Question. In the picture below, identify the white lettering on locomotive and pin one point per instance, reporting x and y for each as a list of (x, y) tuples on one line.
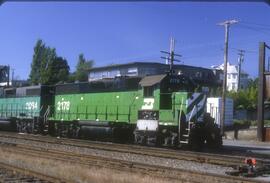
[(175, 81), (63, 105), (31, 105), (148, 103)]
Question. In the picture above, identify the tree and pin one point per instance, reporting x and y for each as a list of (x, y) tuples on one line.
[(58, 71), (47, 67), (246, 98), (46, 70), (39, 50), (215, 92), (71, 77), (82, 68)]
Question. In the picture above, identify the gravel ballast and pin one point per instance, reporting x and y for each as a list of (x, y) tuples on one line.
[(167, 162)]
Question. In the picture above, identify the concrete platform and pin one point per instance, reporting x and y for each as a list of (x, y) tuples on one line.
[(243, 134), (250, 146)]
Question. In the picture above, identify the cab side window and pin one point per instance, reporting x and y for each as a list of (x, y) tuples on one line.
[(148, 91)]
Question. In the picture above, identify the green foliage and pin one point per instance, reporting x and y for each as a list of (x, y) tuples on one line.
[(47, 67), (71, 78), (59, 70), (82, 68), (35, 73), (216, 92), (247, 98), (237, 122), (249, 122)]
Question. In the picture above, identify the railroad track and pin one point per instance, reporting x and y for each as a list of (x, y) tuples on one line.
[(96, 161), (201, 157), (9, 173), (153, 170)]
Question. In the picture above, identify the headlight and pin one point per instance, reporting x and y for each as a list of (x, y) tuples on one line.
[(148, 115)]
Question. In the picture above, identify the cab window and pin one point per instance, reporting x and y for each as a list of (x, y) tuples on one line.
[(148, 91)]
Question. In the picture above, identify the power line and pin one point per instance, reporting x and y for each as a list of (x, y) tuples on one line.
[(265, 31), (246, 51), (255, 28), (255, 24)]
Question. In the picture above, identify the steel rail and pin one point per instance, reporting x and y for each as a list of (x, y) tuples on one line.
[(210, 158), (123, 165), (12, 173)]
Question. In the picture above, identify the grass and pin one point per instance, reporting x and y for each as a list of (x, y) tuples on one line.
[(73, 172)]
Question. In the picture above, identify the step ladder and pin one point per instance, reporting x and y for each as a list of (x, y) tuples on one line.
[(184, 138), (45, 120)]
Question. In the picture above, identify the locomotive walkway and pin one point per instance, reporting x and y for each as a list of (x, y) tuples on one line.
[(63, 150)]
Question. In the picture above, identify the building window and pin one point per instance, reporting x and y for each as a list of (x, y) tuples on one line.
[(133, 71), (229, 76), (233, 86), (221, 76), (118, 73), (198, 74), (234, 76), (104, 74)]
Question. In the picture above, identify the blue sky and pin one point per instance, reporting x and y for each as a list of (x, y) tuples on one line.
[(124, 32)]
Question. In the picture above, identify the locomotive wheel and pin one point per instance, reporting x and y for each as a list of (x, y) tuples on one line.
[(214, 139), (212, 133), (196, 140)]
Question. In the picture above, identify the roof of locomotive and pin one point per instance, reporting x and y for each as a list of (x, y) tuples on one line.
[(22, 91), (104, 85), (152, 80)]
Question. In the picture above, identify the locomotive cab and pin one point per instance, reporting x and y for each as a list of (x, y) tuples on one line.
[(173, 114), (158, 112)]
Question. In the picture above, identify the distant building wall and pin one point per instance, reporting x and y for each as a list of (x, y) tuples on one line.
[(232, 76), (242, 114), (142, 69)]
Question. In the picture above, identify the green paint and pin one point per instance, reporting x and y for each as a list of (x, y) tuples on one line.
[(110, 106), (20, 107)]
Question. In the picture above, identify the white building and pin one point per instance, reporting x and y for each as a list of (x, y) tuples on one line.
[(232, 77)]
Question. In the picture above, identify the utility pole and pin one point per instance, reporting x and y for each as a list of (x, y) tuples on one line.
[(12, 77), (226, 24), (8, 75), (170, 57), (240, 61), (268, 68)]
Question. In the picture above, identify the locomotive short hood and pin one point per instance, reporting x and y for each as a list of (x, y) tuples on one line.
[(152, 80)]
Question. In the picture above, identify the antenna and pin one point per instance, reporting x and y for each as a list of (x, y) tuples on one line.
[(170, 56)]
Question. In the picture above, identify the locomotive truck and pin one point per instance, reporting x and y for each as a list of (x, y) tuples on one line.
[(153, 110)]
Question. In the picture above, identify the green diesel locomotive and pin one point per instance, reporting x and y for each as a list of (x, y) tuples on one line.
[(24, 109), (154, 110)]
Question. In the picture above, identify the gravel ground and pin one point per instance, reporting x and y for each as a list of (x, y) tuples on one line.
[(181, 164), (7, 175)]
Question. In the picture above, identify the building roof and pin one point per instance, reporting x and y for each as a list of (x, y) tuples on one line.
[(151, 63), (232, 69)]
